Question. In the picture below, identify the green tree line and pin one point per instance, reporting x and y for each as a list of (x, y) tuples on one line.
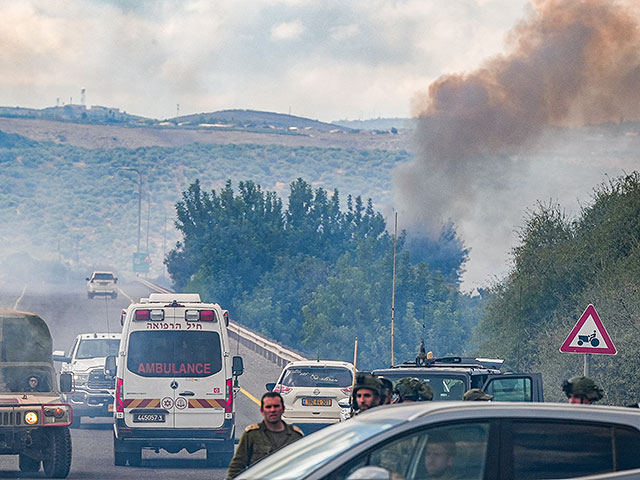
[(315, 276), (560, 266)]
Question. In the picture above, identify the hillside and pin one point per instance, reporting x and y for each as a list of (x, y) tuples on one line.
[(219, 128)]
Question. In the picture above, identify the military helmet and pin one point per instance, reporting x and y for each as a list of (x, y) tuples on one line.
[(366, 380), (477, 394), (582, 386), (387, 386), (409, 388)]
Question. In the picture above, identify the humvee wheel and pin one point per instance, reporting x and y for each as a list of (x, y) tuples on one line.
[(57, 457), (28, 464)]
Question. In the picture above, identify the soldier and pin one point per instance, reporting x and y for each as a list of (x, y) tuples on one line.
[(411, 389), (477, 394), (33, 384), (264, 438), (582, 390), (387, 393), (367, 392)]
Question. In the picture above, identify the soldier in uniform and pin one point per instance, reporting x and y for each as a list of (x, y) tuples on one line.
[(387, 390), (477, 394), (411, 389), (582, 390), (262, 439), (367, 392)]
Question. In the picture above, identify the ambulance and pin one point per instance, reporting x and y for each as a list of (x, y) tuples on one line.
[(174, 378)]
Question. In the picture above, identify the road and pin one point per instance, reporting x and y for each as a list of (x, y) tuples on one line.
[(68, 312)]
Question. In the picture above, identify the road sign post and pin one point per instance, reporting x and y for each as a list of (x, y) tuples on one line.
[(589, 336)]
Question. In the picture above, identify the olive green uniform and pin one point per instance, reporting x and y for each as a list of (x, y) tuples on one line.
[(258, 442)]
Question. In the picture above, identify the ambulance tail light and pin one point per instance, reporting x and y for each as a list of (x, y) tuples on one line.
[(119, 402), (225, 314), (149, 315), (200, 316), (228, 406)]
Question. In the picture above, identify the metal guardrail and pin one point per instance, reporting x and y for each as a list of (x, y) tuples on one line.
[(253, 341)]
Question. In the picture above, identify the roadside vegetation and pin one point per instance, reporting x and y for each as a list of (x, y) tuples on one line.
[(314, 276), (560, 266)]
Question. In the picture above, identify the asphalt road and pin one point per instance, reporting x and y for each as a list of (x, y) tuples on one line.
[(68, 312)]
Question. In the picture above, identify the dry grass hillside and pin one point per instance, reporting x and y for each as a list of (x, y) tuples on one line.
[(119, 136)]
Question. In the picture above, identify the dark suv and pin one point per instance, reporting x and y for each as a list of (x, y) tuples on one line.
[(451, 377)]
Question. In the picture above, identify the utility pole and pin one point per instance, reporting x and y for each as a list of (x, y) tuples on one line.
[(139, 200), (393, 286)]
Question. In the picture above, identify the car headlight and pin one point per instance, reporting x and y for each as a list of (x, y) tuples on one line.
[(31, 418)]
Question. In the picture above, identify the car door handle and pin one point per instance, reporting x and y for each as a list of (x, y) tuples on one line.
[(186, 394)]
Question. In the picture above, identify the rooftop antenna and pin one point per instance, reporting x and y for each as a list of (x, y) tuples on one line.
[(57, 101), (178, 110), (83, 97)]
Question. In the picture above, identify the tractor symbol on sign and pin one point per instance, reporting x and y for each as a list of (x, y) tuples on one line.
[(589, 339)]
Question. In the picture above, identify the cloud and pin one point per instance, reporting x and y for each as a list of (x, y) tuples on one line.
[(145, 57), (287, 31)]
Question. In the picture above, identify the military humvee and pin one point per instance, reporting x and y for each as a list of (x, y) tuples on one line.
[(34, 423)]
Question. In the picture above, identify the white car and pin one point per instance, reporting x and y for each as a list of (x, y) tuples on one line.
[(466, 440), (311, 391), (102, 283)]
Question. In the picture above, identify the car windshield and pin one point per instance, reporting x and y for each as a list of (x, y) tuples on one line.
[(174, 354), (317, 377), (446, 387), (103, 276), (314, 451), (97, 347)]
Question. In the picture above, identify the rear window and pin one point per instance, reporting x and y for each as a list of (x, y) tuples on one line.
[(445, 387), (174, 354), (103, 276), (99, 347), (317, 377)]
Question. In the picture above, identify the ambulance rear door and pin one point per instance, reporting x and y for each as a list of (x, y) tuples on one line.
[(149, 387), (204, 393)]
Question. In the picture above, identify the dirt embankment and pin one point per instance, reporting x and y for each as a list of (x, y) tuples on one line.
[(114, 136)]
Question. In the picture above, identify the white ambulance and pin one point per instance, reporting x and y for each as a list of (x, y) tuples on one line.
[(174, 380)]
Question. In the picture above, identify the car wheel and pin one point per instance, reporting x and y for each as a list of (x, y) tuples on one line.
[(114, 295), (77, 421), (57, 458), (135, 457), (28, 464), (90, 296)]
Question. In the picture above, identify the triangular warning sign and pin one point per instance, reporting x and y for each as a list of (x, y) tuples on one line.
[(589, 336)]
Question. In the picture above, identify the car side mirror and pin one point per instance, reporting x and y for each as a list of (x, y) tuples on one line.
[(238, 366), (270, 386), (110, 366), (344, 403), (66, 382), (87, 279), (59, 356), (115, 280)]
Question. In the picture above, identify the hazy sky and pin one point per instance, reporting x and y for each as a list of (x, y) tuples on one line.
[(325, 60), (331, 60)]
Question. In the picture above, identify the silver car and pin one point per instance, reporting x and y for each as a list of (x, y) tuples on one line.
[(465, 440)]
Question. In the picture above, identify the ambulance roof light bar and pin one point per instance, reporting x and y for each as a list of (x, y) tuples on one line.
[(178, 297)]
